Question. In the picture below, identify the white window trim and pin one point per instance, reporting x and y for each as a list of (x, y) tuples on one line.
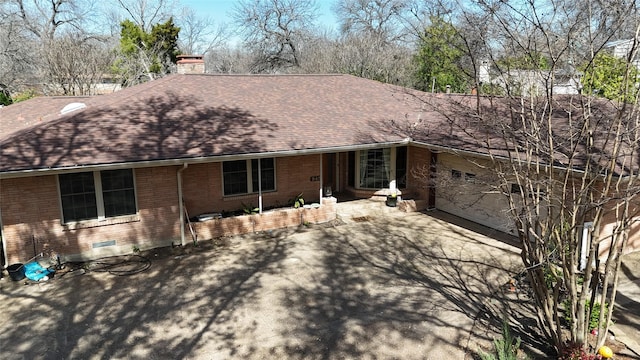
[(97, 183)]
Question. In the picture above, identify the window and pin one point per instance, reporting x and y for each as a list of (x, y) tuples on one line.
[(268, 176), (375, 166), (378, 168), (235, 177), (241, 176), (118, 193), (78, 196), (456, 174), (96, 195), (469, 177)]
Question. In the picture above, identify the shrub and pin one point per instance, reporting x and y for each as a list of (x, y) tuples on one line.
[(595, 312), (505, 348)]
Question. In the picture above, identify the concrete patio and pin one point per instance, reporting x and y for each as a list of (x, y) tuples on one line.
[(379, 285)]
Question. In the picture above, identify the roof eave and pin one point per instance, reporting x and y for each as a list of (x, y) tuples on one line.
[(196, 160)]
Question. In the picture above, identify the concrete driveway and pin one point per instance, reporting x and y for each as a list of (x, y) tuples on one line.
[(383, 286)]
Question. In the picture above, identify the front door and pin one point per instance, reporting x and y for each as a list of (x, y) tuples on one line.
[(329, 174)]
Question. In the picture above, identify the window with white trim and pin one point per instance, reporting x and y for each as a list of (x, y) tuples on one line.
[(242, 176), (377, 168), (97, 194)]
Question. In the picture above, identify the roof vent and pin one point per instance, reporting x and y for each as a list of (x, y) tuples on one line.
[(72, 107)]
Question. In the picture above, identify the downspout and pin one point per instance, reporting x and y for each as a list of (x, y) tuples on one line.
[(181, 204)]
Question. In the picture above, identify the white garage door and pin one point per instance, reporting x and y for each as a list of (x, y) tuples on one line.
[(462, 191)]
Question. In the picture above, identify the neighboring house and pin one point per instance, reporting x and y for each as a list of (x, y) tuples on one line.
[(622, 49), (95, 176), (533, 82)]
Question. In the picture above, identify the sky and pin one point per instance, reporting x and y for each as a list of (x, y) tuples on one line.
[(220, 10)]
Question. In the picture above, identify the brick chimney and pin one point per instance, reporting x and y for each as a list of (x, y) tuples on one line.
[(190, 64)]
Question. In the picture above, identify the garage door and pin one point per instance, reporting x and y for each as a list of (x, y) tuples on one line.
[(463, 192)]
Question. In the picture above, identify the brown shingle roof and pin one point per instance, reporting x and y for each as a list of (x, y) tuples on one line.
[(189, 116), (203, 116), (570, 131)]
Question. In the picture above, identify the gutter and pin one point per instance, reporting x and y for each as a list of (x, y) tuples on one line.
[(195, 160), (181, 203), (440, 148)]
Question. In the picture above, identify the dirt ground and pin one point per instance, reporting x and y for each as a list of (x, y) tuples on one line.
[(409, 286)]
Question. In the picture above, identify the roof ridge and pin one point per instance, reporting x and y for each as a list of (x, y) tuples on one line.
[(266, 75)]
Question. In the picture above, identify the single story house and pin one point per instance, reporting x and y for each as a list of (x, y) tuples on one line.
[(93, 176)]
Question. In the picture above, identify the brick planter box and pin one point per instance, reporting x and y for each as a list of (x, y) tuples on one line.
[(268, 220)]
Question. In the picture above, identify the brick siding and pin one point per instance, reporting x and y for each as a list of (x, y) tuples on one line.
[(31, 213), (203, 188), (419, 160), (31, 218)]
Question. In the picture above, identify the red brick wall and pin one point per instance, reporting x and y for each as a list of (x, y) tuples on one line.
[(418, 172), (31, 215), (203, 191), (609, 222), (30, 209), (276, 219)]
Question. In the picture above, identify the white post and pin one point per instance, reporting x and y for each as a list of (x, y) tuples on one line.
[(321, 155), (392, 171), (260, 186), (584, 249), (181, 205)]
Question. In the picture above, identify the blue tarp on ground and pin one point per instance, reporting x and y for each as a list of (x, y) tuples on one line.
[(34, 271)]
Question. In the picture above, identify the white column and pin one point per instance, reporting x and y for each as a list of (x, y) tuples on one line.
[(260, 186), (321, 182), (584, 249)]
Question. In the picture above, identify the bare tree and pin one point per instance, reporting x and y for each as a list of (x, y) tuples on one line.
[(228, 60), (32, 29), (44, 18), (198, 35), (76, 64), (17, 58), (146, 13), (564, 166), (373, 40), (274, 29), (372, 58), (381, 19), (319, 55)]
